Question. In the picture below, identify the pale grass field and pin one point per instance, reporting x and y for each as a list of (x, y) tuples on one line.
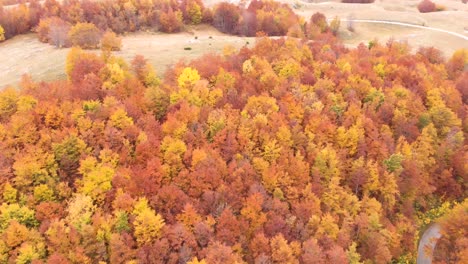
[(25, 54)]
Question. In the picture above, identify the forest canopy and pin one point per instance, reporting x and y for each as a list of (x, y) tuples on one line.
[(288, 152), (291, 151)]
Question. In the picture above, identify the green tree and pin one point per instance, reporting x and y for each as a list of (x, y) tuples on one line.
[(19, 213)]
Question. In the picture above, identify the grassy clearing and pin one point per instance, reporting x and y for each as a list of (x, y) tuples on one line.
[(26, 55)]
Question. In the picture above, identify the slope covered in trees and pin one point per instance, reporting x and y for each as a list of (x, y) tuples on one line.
[(289, 152)]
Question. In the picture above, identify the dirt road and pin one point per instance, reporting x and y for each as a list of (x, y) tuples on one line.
[(409, 25), (427, 244)]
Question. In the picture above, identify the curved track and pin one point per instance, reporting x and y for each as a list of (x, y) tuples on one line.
[(408, 25), (427, 244)]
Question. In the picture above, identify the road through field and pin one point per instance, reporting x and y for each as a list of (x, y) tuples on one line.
[(407, 25)]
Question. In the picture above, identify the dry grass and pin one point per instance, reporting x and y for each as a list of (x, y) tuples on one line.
[(26, 55), (453, 19), (163, 50)]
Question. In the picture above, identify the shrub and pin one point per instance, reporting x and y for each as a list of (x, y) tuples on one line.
[(54, 30), (226, 18), (2, 33), (111, 42), (358, 1), (171, 21), (440, 8), (426, 6), (85, 35), (320, 21)]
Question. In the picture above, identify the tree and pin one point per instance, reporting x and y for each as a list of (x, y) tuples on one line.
[(453, 244), (319, 20), (226, 18), (58, 33), (80, 210), (19, 213), (193, 12), (82, 64), (335, 25), (171, 21), (2, 33), (97, 178), (147, 223), (8, 103), (188, 78), (111, 42), (217, 253), (281, 251), (426, 6), (84, 35)]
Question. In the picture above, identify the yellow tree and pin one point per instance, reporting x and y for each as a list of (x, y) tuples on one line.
[(73, 55), (2, 33), (97, 176), (19, 213), (147, 223), (282, 252), (120, 119), (85, 35), (113, 75), (172, 150), (327, 164), (80, 210), (188, 78), (194, 12), (8, 102)]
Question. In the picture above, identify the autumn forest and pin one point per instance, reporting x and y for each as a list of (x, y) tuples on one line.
[(294, 149)]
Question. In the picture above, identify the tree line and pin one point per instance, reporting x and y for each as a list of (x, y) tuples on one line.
[(83, 23)]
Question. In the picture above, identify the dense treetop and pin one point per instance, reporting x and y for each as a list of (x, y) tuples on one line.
[(289, 152), (293, 151)]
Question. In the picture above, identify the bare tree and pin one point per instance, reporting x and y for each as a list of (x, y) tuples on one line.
[(58, 33), (350, 23)]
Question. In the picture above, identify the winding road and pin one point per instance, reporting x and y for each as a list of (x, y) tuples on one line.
[(408, 25), (428, 241)]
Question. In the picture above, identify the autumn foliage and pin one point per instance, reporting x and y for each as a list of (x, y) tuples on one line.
[(358, 1), (85, 35), (111, 42), (426, 6), (289, 152), (52, 17)]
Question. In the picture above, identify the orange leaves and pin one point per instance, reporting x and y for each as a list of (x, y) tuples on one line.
[(84, 35), (284, 153), (171, 21)]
